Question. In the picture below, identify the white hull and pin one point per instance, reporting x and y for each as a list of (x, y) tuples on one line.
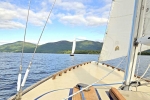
[(86, 73)]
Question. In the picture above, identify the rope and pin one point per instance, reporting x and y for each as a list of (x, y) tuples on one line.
[(29, 66), (50, 92), (138, 66), (20, 69), (25, 32), (96, 81), (43, 30), (144, 73), (147, 78)]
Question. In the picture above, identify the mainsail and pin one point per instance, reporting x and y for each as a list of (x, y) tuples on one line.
[(73, 47), (117, 37)]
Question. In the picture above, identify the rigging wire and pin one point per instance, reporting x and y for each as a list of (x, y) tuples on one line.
[(144, 73), (137, 80), (96, 81), (29, 66), (19, 88), (20, 68), (147, 78), (138, 66), (25, 33)]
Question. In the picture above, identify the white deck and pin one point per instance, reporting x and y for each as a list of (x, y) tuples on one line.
[(87, 74)]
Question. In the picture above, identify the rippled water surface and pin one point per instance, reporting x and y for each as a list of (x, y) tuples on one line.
[(44, 65)]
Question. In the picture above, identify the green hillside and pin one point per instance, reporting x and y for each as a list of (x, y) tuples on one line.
[(146, 52), (54, 47), (17, 47), (88, 45)]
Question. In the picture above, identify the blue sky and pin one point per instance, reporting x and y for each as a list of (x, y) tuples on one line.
[(83, 19)]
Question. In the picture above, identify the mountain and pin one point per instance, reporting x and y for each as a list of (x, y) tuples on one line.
[(54, 47), (88, 45), (17, 47)]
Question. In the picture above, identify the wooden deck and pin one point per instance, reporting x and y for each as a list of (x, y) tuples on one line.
[(57, 86)]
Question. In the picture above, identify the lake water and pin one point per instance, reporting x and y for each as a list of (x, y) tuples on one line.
[(43, 66)]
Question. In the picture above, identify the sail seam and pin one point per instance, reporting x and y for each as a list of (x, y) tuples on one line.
[(122, 16)]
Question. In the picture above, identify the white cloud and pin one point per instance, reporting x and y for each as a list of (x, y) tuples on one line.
[(13, 16), (73, 19), (10, 24), (81, 20), (66, 11), (95, 21), (68, 5), (102, 11), (43, 4), (78, 13)]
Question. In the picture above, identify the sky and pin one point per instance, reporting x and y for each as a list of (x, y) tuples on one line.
[(82, 19)]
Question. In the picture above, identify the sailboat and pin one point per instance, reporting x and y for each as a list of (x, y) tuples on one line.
[(73, 47), (126, 33)]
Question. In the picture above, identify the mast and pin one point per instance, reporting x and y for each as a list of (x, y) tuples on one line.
[(136, 32)]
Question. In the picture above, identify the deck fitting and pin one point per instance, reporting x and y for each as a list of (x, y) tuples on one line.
[(54, 77), (112, 67), (65, 71), (69, 69), (60, 74)]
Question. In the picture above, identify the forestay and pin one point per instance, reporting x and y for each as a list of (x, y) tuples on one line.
[(117, 37)]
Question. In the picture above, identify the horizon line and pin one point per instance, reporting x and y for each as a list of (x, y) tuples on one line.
[(2, 43)]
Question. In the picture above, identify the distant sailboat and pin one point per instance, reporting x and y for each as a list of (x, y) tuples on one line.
[(73, 47)]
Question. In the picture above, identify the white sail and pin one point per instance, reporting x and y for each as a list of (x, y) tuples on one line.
[(146, 28), (73, 47), (116, 41)]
